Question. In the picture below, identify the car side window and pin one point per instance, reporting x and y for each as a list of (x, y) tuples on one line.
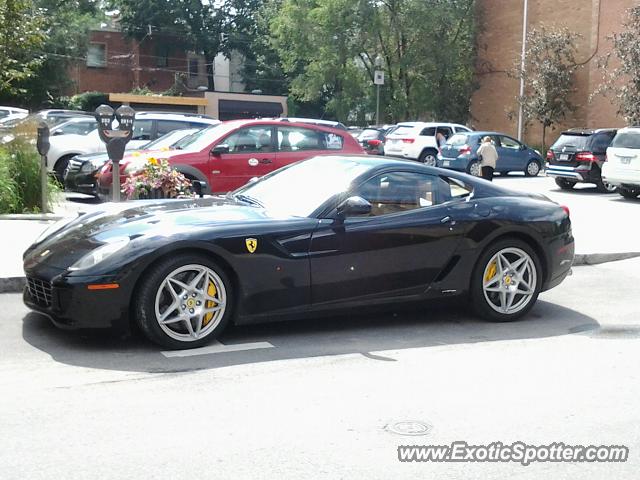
[(398, 192), (601, 141), (462, 129), (142, 130), (250, 140), (446, 131), (507, 142), (428, 132), (297, 139), (452, 189)]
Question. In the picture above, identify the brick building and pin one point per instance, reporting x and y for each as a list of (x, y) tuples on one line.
[(115, 63), (499, 48)]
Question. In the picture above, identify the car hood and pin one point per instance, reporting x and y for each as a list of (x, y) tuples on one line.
[(141, 221)]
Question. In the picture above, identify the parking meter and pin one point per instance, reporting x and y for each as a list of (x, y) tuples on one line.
[(43, 145), (115, 139)]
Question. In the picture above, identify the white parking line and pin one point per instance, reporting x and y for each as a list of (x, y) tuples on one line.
[(217, 347)]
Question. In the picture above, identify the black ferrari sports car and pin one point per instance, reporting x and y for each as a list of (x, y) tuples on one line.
[(323, 235)]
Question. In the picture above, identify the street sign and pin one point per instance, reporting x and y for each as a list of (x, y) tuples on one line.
[(378, 77)]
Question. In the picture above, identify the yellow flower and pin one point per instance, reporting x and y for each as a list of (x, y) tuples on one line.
[(153, 161)]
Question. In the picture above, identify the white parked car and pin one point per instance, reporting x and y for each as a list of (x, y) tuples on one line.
[(7, 111), (75, 126), (418, 140), (622, 167), (147, 126)]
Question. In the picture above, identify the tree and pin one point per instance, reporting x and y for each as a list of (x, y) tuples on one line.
[(21, 38), (208, 28), (548, 76), (623, 79)]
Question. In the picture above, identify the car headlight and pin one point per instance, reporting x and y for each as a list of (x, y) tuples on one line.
[(87, 167), (99, 254)]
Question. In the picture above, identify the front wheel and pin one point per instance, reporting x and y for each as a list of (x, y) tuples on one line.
[(184, 302), (532, 169), (506, 281), (428, 157), (605, 187)]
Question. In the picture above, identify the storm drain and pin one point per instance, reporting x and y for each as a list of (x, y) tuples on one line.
[(412, 428), (617, 332)]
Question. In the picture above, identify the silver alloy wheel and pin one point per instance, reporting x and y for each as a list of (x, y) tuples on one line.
[(509, 280), (533, 169), (609, 188), (429, 160), (474, 169), (190, 302)]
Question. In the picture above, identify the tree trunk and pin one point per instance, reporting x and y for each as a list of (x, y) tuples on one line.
[(544, 139)]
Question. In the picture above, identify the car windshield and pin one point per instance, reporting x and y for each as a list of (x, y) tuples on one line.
[(202, 139), (402, 131), (458, 140), (626, 140), (579, 142), (170, 139), (369, 134), (300, 189)]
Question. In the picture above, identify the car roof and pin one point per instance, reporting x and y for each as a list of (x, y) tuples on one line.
[(276, 121), (586, 131), (192, 117), (429, 124)]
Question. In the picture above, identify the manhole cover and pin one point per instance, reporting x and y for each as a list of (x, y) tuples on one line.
[(409, 427)]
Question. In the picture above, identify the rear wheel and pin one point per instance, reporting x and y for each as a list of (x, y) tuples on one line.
[(629, 192), (428, 157), (532, 169), (506, 281), (60, 167), (565, 184), (184, 302), (474, 168)]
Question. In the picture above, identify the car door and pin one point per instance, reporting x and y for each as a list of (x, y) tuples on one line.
[(295, 143), (396, 251), (246, 153), (511, 156)]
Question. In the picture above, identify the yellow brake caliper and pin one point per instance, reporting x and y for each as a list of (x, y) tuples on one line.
[(491, 272), (211, 291)]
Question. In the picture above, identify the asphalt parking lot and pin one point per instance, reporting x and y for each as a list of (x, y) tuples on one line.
[(316, 398)]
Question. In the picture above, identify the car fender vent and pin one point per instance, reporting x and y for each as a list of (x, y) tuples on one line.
[(448, 268)]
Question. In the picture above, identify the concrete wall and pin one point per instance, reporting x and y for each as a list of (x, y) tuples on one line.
[(499, 46)]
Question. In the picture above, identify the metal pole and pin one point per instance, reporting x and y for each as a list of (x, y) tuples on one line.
[(115, 184), (378, 104), (522, 72), (44, 183)]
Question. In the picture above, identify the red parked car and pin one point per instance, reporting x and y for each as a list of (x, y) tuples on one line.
[(228, 155)]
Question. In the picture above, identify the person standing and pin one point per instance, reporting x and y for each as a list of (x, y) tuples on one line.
[(488, 156)]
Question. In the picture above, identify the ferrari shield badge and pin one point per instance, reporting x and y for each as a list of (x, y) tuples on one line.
[(251, 244)]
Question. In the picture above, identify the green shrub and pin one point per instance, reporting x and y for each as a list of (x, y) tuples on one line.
[(20, 179), (88, 101)]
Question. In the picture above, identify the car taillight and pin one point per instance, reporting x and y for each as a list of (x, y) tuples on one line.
[(408, 140), (566, 210), (585, 157), (465, 150), (374, 142), (549, 155)]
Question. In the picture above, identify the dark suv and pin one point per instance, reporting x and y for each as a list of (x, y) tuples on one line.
[(578, 155)]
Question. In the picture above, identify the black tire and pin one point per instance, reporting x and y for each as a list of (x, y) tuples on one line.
[(472, 165), (145, 297), (429, 158), (530, 170), (60, 167), (629, 193), (565, 184), (604, 187), (478, 301)]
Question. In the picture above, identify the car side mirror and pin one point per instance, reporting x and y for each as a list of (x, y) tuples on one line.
[(57, 132), (353, 206), (220, 149)]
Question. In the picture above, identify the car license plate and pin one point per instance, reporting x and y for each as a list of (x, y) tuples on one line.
[(564, 157), (625, 160), (446, 163)]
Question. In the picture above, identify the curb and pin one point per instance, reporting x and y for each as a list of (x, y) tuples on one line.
[(16, 284), (32, 216)]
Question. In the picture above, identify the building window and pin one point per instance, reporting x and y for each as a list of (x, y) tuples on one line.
[(193, 67), (162, 56), (97, 55)]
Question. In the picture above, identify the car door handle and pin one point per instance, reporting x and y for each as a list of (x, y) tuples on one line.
[(446, 219), (266, 161)]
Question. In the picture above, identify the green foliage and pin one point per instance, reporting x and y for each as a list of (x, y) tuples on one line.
[(329, 47), (20, 179), (21, 38), (548, 76), (87, 101), (622, 80)]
